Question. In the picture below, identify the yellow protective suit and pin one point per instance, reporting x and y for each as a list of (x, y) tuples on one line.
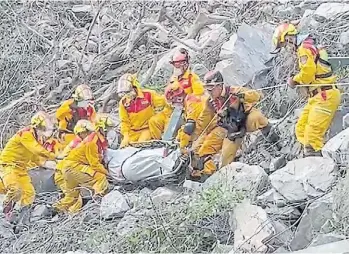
[(193, 105), (22, 148), (68, 115), (134, 115), (322, 105), (214, 138), (83, 168)]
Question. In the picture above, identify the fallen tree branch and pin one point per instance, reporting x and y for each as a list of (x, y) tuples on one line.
[(38, 34), (150, 72)]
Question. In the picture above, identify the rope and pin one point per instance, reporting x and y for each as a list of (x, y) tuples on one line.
[(282, 85)]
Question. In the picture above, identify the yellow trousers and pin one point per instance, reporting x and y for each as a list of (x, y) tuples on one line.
[(60, 181), (81, 176), (139, 136), (317, 117), (17, 185), (216, 141), (157, 125)]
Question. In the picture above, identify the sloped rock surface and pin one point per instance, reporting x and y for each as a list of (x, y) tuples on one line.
[(114, 204)]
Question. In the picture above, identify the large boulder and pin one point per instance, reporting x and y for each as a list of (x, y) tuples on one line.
[(330, 10), (337, 148), (43, 180), (213, 36), (254, 231), (114, 204), (248, 53), (251, 179), (313, 219), (304, 179)]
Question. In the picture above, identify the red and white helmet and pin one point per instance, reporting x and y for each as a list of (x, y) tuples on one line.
[(180, 58)]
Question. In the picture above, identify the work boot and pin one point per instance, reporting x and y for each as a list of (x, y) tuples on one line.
[(309, 152), (23, 219), (269, 134)]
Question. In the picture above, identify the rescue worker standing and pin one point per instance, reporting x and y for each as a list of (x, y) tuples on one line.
[(185, 89), (316, 71), (136, 107), (236, 116), (83, 167), (25, 146), (72, 110)]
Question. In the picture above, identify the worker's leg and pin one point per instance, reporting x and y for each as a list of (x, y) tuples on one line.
[(134, 135), (302, 123), (60, 181), (157, 125), (211, 145), (28, 191), (321, 114), (229, 150), (144, 135)]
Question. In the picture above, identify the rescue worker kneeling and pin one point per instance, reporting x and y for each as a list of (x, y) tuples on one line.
[(81, 106), (25, 146), (236, 116), (83, 167), (136, 107), (316, 71)]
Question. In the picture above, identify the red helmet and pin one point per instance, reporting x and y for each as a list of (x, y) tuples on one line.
[(174, 93), (180, 57)]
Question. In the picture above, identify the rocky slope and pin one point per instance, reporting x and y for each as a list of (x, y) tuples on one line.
[(268, 201)]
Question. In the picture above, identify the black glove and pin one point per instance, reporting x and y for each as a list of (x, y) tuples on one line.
[(236, 135)]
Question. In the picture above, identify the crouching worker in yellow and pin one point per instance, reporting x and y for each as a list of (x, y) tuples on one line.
[(315, 71), (81, 106), (236, 116), (83, 167), (25, 146), (136, 107)]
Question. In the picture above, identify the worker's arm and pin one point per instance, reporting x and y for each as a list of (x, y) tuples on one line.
[(157, 101), (204, 119), (29, 142), (62, 114), (250, 96), (92, 156), (125, 124), (197, 85), (307, 67)]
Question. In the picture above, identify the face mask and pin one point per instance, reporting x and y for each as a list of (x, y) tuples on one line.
[(47, 133), (178, 71)]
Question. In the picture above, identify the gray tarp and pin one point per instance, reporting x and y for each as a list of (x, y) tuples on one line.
[(135, 164)]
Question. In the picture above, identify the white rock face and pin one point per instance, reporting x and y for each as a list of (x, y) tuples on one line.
[(251, 227), (163, 195), (337, 148), (114, 204), (304, 178), (240, 176), (344, 38), (247, 53), (330, 10), (313, 218)]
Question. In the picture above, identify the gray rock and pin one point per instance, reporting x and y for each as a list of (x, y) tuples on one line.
[(223, 248), (327, 238), (337, 148), (340, 247), (6, 230), (284, 213), (212, 37), (306, 20), (192, 185), (113, 205), (251, 228), (330, 10), (82, 10), (252, 179), (345, 121), (281, 250), (284, 234), (39, 212), (43, 180), (313, 218), (344, 38), (62, 64), (126, 225), (277, 163), (272, 197), (305, 178), (247, 55), (200, 70), (163, 195), (227, 47)]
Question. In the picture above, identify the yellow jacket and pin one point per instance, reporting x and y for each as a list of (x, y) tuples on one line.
[(24, 148), (250, 98), (88, 155), (67, 116), (310, 70), (73, 144), (190, 83), (134, 115)]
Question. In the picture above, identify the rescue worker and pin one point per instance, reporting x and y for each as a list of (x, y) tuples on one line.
[(192, 107), (136, 107), (316, 71), (25, 146), (81, 106), (183, 82), (83, 166), (234, 106)]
